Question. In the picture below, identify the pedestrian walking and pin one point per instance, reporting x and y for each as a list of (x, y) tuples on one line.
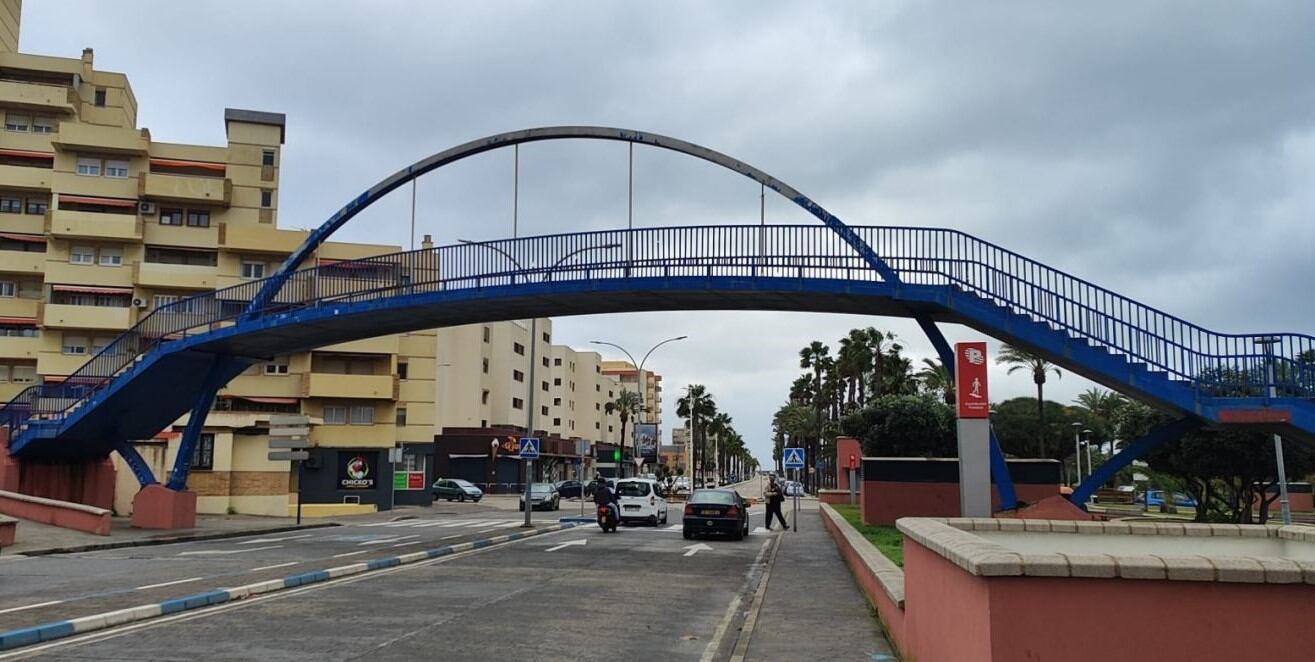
[(775, 497)]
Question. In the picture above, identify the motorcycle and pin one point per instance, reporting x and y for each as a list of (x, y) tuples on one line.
[(607, 518)]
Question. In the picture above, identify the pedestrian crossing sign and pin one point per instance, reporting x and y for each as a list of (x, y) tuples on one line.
[(794, 458), (529, 448)]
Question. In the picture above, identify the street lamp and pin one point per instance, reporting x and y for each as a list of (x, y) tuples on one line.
[(493, 463), (1271, 392), (1086, 441), (1077, 452), (534, 346), (639, 374)]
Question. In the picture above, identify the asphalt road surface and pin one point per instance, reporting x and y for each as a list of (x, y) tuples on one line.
[(643, 593)]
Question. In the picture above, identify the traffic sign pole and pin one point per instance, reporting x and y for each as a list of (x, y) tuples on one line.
[(288, 441), (529, 452)]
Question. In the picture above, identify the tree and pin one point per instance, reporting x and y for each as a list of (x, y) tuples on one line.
[(852, 361), (626, 405), (696, 407), (880, 344), (904, 426), (935, 379), (1018, 359), (817, 357), (1020, 429)]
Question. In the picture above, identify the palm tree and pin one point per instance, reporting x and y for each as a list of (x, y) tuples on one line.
[(815, 356), (852, 361), (696, 407), (936, 379), (626, 404), (1018, 359), (719, 428), (880, 343), (1103, 406)]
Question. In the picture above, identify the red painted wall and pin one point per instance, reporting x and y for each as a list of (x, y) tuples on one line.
[(57, 515), (883, 502), (7, 531), (88, 482), (846, 446), (947, 612)]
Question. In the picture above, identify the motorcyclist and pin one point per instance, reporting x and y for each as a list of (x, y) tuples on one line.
[(604, 496)]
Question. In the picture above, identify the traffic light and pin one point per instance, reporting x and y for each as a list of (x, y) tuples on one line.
[(616, 455)]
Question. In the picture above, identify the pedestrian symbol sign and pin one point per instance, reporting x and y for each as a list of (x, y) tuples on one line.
[(529, 448), (794, 458)]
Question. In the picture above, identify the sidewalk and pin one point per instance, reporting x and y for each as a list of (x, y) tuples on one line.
[(36, 539), (812, 609)]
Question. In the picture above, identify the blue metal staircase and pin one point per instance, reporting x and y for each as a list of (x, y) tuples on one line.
[(152, 374)]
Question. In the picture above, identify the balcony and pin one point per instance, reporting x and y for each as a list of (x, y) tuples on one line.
[(63, 316), (55, 363), (102, 139), (257, 238), (19, 348), (88, 274), (371, 387), (95, 225), (185, 189), (152, 274), (264, 386), (22, 262), (121, 189), (37, 96), (380, 345), (179, 235), (23, 177), (16, 307), (24, 141)]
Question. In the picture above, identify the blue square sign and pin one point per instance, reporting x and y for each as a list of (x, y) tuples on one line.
[(529, 448), (793, 458)]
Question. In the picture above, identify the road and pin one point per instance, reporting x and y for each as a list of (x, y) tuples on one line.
[(641, 593)]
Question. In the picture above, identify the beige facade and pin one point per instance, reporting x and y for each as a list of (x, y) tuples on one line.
[(645, 382), (100, 225)]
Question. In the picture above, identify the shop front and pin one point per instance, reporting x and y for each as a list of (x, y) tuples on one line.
[(347, 475)]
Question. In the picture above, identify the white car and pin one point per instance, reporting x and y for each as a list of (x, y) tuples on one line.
[(641, 501), (794, 488)]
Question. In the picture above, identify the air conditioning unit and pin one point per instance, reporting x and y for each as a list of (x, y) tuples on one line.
[(139, 302), (146, 208)]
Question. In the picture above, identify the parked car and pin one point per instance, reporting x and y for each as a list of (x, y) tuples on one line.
[(569, 489), (793, 488), (718, 512), (543, 496), (1155, 498), (455, 488), (641, 500)]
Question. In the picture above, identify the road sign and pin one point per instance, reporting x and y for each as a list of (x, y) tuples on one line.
[(529, 448), (970, 380), (395, 454), (793, 458), (289, 455), (292, 444)]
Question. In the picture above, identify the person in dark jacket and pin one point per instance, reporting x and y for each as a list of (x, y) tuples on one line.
[(775, 497)]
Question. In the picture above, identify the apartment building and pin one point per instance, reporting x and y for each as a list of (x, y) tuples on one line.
[(100, 224), (645, 382)]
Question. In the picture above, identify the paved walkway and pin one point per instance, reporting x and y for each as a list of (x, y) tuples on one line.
[(812, 609)]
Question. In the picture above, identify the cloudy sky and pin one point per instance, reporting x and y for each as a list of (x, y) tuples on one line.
[(1163, 150)]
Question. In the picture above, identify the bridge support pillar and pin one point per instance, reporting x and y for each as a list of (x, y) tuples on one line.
[(1134, 450), (158, 507)]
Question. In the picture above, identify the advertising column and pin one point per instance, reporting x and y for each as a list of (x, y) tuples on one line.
[(973, 406)]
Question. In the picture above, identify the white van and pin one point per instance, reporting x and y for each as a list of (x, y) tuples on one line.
[(641, 501)]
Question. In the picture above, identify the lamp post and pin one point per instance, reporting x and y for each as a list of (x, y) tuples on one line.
[(639, 374), (1086, 441), (1077, 453), (1271, 392), (534, 346), (493, 463)]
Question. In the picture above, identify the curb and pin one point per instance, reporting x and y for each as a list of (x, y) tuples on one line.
[(576, 519), (81, 625), (147, 542)]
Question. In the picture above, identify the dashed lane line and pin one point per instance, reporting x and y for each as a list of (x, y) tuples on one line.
[(164, 584), (32, 606), (279, 565)]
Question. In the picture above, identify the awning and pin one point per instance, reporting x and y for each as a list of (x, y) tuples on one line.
[(27, 154), (351, 264), (29, 238), (88, 289), (58, 379), (19, 321), (104, 202), (179, 163), (265, 400)]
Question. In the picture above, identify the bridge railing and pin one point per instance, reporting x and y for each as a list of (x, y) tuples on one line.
[(1217, 364)]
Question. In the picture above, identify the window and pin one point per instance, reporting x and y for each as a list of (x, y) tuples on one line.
[(518, 348), (8, 288), (74, 345), (402, 368), (545, 362), (162, 300), (267, 157), (99, 343), (486, 366), (37, 206), (401, 416), (99, 99), (543, 411), (16, 122), (266, 198), (483, 422), (11, 205), (597, 425), (196, 258), (117, 169), (557, 422), (362, 415), (171, 216), (484, 397), (557, 362), (517, 403), (18, 331), (545, 385), (486, 334), (557, 381), (253, 270), (24, 374), (556, 402), (203, 456), (277, 367), (111, 257), (82, 255), (518, 375), (43, 124), (598, 407), (335, 415), (88, 167), (546, 337), (598, 388), (199, 219)]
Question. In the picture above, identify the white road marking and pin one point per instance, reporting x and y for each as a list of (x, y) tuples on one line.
[(227, 551), (572, 543), (386, 540), (276, 565), (338, 556), (260, 540), (696, 548), (487, 530), (163, 584), (32, 606), (404, 544), (455, 535)]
